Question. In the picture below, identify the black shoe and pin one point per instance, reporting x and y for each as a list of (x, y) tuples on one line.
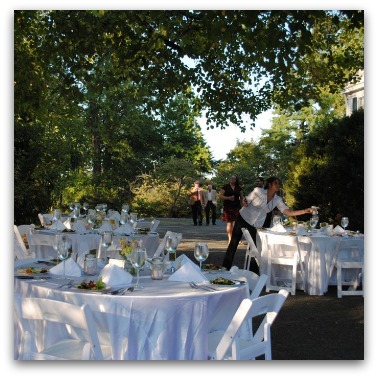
[(213, 224)]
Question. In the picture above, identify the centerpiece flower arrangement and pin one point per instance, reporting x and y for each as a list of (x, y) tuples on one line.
[(126, 249)]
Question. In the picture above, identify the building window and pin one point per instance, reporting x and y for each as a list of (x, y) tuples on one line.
[(354, 104)]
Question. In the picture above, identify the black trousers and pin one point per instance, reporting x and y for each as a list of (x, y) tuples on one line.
[(237, 234), (197, 214), (210, 207)]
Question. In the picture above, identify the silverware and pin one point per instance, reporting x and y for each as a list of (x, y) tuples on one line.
[(203, 287), (121, 291), (70, 282)]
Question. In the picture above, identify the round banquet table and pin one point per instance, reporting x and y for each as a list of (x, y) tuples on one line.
[(166, 320), (318, 255)]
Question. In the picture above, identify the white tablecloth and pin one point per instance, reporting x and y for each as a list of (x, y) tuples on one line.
[(41, 243), (319, 250), (165, 321)]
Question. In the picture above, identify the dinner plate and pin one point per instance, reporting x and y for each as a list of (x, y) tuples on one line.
[(153, 233), (106, 288), (212, 267), (227, 282), (33, 271)]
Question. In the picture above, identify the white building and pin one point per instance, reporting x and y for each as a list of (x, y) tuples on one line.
[(354, 94)]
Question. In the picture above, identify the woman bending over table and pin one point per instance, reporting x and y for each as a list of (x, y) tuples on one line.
[(255, 213)]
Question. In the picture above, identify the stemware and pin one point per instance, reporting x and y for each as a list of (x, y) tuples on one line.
[(344, 222), (138, 258), (91, 218), (86, 207), (171, 244), (276, 220), (124, 217), (57, 239), (133, 217), (125, 208), (106, 241), (314, 221), (64, 251), (201, 252), (57, 213)]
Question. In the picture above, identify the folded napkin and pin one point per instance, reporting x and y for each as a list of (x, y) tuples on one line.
[(188, 272), (105, 227), (124, 229), (72, 268), (301, 230), (118, 262), (338, 230), (278, 228), (181, 260), (113, 275), (67, 223), (58, 225), (79, 228)]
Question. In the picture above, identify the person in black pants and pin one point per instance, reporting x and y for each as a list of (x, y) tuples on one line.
[(196, 201), (255, 213), (210, 200)]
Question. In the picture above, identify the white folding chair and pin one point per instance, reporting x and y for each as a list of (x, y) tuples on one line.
[(24, 230), (160, 249), (20, 250), (154, 225), (232, 344), (284, 255), (251, 250), (256, 283), (349, 267), (79, 341)]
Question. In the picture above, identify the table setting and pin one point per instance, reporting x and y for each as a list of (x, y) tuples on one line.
[(167, 318), (318, 247)]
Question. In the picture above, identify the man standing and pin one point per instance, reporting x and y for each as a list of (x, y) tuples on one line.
[(210, 197), (259, 182), (196, 201)]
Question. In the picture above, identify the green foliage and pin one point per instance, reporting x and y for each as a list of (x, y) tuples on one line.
[(329, 171)]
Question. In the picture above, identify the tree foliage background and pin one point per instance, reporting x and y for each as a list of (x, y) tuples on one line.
[(106, 102)]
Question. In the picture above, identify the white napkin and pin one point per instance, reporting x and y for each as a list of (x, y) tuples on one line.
[(72, 268), (338, 230), (105, 227), (188, 272), (113, 275), (67, 223), (301, 230), (58, 225), (278, 228), (80, 229), (124, 229)]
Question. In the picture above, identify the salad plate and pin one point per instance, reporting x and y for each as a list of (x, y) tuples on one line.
[(224, 282)]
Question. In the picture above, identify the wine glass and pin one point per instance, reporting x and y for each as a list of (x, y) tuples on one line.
[(64, 251), (85, 207), (124, 217), (133, 218), (138, 258), (57, 239), (106, 241), (314, 221), (91, 218), (276, 220), (71, 206), (344, 222), (57, 213), (125, 208), (171, 244), (201, 252)]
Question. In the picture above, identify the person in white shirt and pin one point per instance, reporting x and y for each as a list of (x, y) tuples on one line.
[(255, 213), (210, 199)]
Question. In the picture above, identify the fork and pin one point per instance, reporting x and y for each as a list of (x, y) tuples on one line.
[(203, 287), (68, 284)]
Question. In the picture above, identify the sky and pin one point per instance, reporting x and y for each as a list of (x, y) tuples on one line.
[(223, 141)]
